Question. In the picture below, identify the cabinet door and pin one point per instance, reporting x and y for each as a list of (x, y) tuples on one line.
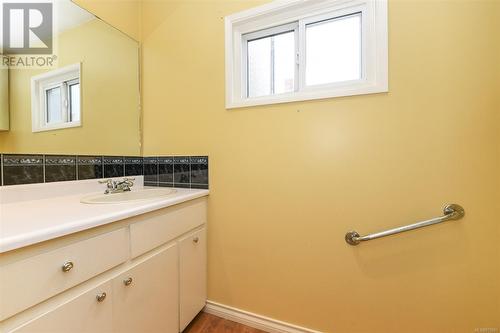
[(85, 313), (193, 275), (146, 297)]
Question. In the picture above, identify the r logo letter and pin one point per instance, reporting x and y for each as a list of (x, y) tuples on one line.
[(27, 28)]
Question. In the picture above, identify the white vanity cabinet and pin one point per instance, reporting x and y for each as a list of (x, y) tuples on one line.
[(145, 274), (146, 297)]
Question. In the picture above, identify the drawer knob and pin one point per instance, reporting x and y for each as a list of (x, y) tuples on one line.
[(67, 266), (196, 240), (127, 282), (101, 297)]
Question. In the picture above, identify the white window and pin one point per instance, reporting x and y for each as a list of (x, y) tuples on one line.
[(301, 50), (56, 100)]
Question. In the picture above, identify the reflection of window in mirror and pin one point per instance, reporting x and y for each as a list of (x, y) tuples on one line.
[(55, 98), (4, 99)]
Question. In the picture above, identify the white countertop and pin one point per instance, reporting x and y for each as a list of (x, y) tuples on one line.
[(27, 216)]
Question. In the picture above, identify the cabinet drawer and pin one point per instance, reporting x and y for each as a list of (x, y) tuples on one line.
[(28, 282), (164, 226), (82, 314)]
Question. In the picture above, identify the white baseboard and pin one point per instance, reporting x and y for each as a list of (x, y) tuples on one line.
[(253, 320)]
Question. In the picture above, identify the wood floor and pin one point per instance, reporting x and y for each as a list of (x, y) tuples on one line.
[(207, 323)]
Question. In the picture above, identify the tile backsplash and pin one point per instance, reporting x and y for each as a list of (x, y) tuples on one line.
[(165, 171), (177, 171)]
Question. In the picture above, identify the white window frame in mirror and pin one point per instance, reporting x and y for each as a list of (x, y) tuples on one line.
[(39, 85), (374, 34)]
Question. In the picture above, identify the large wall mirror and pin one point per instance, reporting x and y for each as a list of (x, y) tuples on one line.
[(87, 103)]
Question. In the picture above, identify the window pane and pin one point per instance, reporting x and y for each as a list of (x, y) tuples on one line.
[(74, 102), (333, 50), (54, 107), (271, 65), (284, 62), (259, 67)]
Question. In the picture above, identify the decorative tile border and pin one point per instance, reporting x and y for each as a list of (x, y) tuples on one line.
[(165, 171), (133, 166), (22, 169), (89, 167), (176, 171), (114, 166), (60, 168), (199, 171)]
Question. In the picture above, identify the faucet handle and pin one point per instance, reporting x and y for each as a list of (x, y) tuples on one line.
[(129, 181), (110, 185)]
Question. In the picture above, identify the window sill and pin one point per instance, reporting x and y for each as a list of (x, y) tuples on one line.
[(306, 95), (56, 127)]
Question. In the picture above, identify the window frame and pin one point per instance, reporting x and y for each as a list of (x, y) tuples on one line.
[(69, 84), (40, 84), (269, 32), (374, 57)]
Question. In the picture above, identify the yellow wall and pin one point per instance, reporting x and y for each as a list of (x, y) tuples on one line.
[(125, 15), (110, 100), (287, 181), (4, 99)]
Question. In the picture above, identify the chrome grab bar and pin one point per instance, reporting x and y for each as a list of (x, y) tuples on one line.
[(451, 212)]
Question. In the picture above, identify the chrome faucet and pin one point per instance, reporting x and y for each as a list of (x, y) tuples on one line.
[(117, 186)]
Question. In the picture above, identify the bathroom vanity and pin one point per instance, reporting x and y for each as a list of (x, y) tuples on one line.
[(68, 266), (71, 258)]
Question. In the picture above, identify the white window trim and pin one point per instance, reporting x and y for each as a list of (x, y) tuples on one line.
[(39, 84), (279, 12)]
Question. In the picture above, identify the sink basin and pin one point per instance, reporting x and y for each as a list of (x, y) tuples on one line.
[(134, 195)]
